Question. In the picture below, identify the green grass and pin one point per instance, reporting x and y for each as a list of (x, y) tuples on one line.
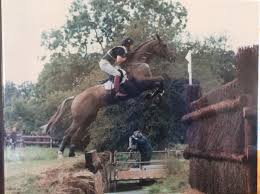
[(176, 182), (29, 154), (23, 167)]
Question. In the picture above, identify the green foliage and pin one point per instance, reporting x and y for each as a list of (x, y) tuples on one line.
[(64, 73), (19, 111), (150, 17), (10, 92), (215, 54), (177, 181), (212, 62), (25, 110), (104, 22)]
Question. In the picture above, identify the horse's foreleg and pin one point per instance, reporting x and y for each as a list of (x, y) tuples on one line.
[(152, 84)]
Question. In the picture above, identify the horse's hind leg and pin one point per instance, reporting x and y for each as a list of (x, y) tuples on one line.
[(66, 138), (81, 132)]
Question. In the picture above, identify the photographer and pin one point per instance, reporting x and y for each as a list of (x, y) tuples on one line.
[(138, 142)]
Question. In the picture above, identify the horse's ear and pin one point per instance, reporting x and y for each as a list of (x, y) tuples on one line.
[(158, 37)]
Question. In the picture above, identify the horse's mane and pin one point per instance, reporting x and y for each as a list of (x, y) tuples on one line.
[(138, 47), (141, 45)]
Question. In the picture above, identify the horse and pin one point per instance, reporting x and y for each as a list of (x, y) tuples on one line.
[(85, 106)]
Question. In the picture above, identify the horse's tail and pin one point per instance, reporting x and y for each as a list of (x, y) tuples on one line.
[(56, 117)]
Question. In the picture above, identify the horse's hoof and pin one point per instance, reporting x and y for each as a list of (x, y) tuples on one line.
[(60, 155), (72, 154)]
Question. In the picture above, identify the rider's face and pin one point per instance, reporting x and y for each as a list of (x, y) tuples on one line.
[(131, 47)]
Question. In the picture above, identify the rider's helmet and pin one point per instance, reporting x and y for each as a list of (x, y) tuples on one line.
[(127, 42)]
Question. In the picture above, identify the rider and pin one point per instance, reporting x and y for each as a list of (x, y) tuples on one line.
[(116, 55)]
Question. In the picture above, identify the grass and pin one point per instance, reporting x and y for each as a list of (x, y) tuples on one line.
[(23, 167), (176, 182), (29, 154)]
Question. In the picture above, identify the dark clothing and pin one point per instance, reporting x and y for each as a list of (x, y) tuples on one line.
[(144, 147), (13, 137), (112, 54)]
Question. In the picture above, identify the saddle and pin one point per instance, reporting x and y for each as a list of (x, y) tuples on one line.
[(109, 82)]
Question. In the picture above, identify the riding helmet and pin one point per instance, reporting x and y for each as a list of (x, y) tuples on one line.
[(127, 41)]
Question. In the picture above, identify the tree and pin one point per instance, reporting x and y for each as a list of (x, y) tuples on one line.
[(214, 52), (64, 73), (10, 92), (27, 90), (104, 22)]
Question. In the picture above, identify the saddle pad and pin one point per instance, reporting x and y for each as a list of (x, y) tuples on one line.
[(109, 85)]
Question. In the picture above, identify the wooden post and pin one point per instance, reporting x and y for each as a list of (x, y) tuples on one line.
[(192, 93), (50, 142), (250, 130), (92, 161)]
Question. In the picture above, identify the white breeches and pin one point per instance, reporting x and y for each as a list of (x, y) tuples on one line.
[(108, 68)]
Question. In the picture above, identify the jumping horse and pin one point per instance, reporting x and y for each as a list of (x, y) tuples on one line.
[(85, 106)]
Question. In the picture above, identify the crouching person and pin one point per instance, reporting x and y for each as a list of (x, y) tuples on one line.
[(138, 142)]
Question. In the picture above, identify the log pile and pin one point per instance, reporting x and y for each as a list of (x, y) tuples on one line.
[(221, 135)]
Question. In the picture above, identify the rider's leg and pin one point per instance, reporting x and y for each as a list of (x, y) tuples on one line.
[(108, 68)]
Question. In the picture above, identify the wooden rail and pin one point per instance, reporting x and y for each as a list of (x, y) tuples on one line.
[(37, 140), (24, 140), (214, 109)]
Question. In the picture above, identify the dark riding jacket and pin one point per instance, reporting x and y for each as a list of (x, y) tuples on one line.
[(112, 54), (143, 146)]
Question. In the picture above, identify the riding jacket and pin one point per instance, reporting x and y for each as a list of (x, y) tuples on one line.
[(114, 52)]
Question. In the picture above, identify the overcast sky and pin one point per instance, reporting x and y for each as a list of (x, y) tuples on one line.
[(24, 20)]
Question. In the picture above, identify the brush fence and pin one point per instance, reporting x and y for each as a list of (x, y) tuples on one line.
[(222, 131)]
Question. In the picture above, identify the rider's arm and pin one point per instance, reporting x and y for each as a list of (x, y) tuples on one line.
[(141, 140), (130, 142)]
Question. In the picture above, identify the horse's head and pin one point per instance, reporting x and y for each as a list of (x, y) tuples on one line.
[(161, 49), (147, 50)]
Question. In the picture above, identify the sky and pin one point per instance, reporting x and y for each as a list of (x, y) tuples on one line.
[(24, 21)]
